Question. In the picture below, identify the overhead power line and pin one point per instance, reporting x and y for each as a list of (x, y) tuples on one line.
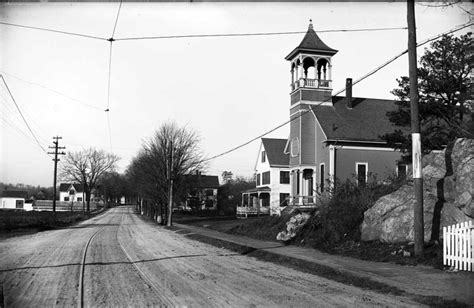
[(116, 19), (21, 113), (311, 108), (250, 34), (52, 90), (53, 31), (190, 35)]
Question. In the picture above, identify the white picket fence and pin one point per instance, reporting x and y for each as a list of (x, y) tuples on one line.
[(458, 247)]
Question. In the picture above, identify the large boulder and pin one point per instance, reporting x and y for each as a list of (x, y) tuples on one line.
[(448, 178)]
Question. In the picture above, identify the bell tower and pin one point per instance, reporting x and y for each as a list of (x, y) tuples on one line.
[(311, 70), (311, 86)]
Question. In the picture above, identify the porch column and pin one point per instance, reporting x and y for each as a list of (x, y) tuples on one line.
[(301, 187)]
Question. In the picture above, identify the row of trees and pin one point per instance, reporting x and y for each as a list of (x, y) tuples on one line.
[(164, 160)]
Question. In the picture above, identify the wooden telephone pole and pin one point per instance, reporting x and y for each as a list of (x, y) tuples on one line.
[(415, 129), (56, 147), (170, 177)]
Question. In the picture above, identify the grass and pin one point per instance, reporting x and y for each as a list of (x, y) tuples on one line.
[(14, 221), (267, 227)]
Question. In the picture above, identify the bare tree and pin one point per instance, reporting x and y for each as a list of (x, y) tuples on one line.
[(151, 172), (87, 167)]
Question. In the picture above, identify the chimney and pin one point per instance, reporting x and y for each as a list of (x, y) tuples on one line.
[(349, 93)]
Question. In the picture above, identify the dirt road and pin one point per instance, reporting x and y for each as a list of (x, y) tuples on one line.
[(131, 262)]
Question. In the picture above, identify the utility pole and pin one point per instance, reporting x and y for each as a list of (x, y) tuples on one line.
[(56, 147), (170, 175), (418, 224)]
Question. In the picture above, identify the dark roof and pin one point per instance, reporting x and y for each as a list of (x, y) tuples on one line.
[(258, 189), (202, 181), (366, 121), (311, 43), (14, 194), (65, 187), (274, 149)]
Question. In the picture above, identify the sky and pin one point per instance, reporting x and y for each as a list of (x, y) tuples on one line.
[(228, 89)]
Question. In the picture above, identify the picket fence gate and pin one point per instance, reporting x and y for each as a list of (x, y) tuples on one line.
[(458, 247)]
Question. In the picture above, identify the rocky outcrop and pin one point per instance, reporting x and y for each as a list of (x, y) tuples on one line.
[(448, 178), (292, 226)]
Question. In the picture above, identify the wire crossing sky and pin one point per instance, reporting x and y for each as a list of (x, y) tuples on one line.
[(217, 68)]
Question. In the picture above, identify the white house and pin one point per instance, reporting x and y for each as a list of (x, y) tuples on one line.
[(71, 192), (14, 199), (272, 176)]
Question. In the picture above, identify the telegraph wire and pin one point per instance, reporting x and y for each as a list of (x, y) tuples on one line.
[(51, 90), (19, 110), (53, 31), (251, 34), (311, 108), (116, 19)]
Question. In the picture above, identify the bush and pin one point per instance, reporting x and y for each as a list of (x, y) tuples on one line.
[(339, 218)]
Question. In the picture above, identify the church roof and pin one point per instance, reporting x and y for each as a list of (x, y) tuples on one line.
[(311, 43), (274, 149), (366, 121)]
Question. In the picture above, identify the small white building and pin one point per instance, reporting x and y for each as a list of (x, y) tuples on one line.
[(71, 192), (14, 199), (272, 176)]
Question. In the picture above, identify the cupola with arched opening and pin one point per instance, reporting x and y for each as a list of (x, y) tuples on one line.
[(311, 63)]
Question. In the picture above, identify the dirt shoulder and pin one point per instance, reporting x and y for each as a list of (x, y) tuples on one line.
[(422, 283)]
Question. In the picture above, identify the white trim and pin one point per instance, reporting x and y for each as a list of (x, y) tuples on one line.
[(366, 170), (258, 155), (300, 102), (354, 141), (332, 163), (299, 111), (297, 140), (280, 166), (285, 150), (299, 143), (350, 147)]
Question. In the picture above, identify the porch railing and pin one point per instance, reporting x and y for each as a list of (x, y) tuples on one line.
[(308, 201)]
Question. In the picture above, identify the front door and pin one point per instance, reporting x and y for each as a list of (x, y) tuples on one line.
[(19, 204)]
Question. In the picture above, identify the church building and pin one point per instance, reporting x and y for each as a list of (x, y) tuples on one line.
[(332, 137)]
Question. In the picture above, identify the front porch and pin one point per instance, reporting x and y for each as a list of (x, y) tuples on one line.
[(305, 193), (255, 202)]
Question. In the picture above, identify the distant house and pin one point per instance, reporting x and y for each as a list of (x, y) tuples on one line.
[(201, 191), (272, 177), (71, 192), (14, 199)]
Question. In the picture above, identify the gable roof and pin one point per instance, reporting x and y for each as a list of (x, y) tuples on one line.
[(311, 43), (65, 187), (202, 181), (14, 194), (366, 121), (274, 148)]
